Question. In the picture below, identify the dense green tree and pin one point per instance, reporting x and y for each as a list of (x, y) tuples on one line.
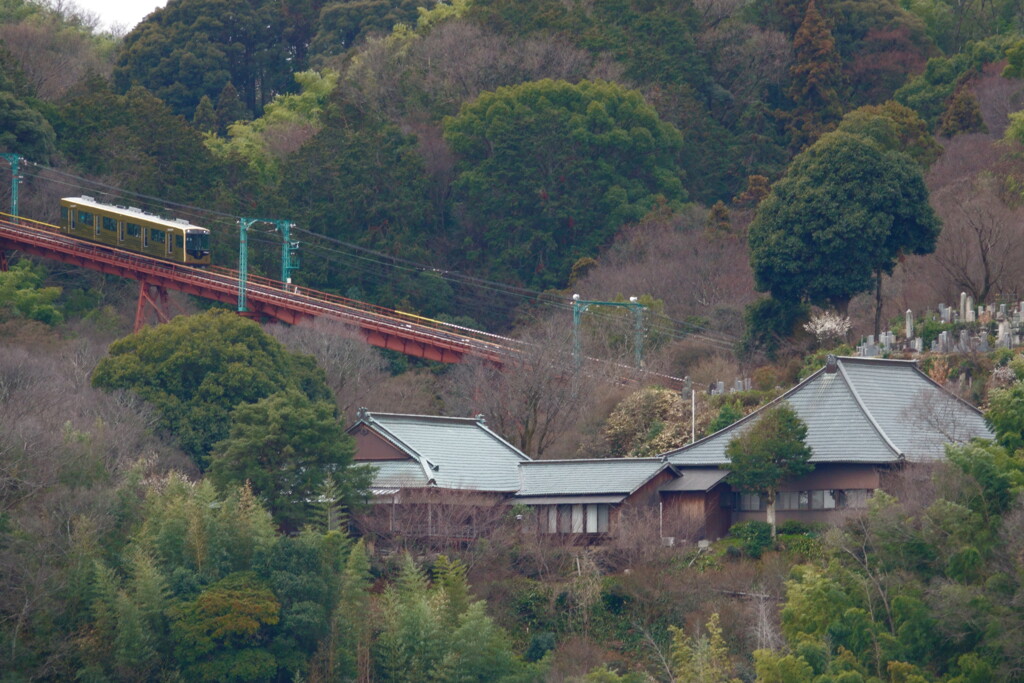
[(23, 130), (730, 412), (219, 635), (197, 369), (894, 128), (375, 172), (550, 170), (435, 634), (768, 453), (768, 323), (229, 108), (997, 474), (193, 48), (963, 115), (773, 667), (844, 213), (352, 631), (305, 572), (204, 119), (285, 446), (929, 92), (1005, 416), (137, 143), (343, 22), (21, 294), (12, 76), (287, 122)]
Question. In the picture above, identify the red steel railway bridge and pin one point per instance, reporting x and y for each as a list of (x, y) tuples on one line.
[(406, 333), (265, 298)]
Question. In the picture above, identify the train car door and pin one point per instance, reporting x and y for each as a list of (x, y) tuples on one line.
[(71, 218), (120, 231), (145, 237)]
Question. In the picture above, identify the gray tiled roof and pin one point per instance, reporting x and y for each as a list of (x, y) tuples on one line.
[(398, 474), (869, 411), (450, 452), (696, 479), (611, 476)]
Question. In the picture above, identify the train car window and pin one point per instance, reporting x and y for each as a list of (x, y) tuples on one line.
[(179, 241), (85, 218), (157, 236), (134, 230), (109, 224), (64, 213)]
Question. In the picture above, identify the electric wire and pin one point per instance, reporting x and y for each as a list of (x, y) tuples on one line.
[(363, 255)]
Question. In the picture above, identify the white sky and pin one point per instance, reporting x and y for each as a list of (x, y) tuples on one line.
[(126, 13)]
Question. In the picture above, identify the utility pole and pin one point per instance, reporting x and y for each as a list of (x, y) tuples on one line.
[(579, 307), (14, 160), (289, 253)]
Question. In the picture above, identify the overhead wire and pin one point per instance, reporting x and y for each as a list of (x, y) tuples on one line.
[(363, 258)]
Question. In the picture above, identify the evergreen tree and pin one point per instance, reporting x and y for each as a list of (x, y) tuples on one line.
[(328, 504), (284, 446), (196, 369), (771, 451), (229, 108), (729, 412), (963, 115), (816, 79), (550, 170), (205, 118), (845, 212)]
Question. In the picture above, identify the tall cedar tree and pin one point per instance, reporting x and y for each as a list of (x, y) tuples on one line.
[(768, 453), (816, 80)]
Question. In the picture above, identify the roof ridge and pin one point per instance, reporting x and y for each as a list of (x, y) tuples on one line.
[(871, 359), (434, 418), (749, 416), (867, 413), (604, 460)]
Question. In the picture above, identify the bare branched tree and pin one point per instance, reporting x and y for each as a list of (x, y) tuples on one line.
[(980, 248), (433, 520), (533, 397), (53, 57), (354, 369)]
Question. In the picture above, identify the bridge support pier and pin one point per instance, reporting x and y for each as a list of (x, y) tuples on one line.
[(3, 261), (152, 298)]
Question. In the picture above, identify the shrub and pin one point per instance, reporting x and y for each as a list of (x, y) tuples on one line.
[(802, 545), (794, 527), (754, 537)]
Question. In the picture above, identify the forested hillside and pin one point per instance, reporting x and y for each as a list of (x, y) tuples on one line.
[(745, 168)]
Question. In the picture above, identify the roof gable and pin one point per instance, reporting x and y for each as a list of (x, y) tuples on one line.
[(867, 411), (457, 453)]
